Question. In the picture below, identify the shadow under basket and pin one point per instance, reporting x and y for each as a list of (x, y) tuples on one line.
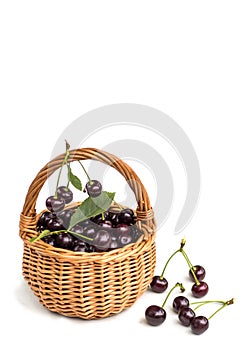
[(88, 285)]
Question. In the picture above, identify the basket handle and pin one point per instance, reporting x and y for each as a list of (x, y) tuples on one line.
[(144, 210)]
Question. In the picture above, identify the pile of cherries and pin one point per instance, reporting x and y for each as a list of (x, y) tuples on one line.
[(106, 229), (112, 229), (187, 315), (156, 315)]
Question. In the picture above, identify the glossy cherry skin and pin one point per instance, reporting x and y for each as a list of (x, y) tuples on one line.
[(126, 216), (199, 290), (55, 204), (158, 284), (64, 240), (44, 219), (90, 231), (199, 272), (155, 315), (199, 325), (78, 229), (65, 193), (66, 215), (102, 240), (186, 315), (91, 249), (49, 240), (93, 188), (55, 224), (106, 224), (99, 218), (180, 302), (124, 239), (122, 228), (79, 247)]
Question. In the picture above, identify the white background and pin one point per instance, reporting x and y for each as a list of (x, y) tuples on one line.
[(60, 59)]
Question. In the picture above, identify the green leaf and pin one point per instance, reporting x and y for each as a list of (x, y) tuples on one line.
[(75, 181), (92, 207)]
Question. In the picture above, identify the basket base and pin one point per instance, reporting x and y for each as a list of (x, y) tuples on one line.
[(89, 290)]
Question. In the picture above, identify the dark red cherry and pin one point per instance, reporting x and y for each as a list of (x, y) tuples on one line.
[(55, 224), (158, 284), (80, 246), (199, 290), (199, 272), (90, 231), (65, 193), (91, 249), (186, 315), (55, 204), (64, 240), (155, 315), (105, 224), (126, 216), (66, 215), (199, 325), (180, 302), (49, 240), (102, 240), (93, 188), (44, 219), (122, 228)]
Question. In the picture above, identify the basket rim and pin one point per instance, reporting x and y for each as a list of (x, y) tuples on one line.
[(45, 249)]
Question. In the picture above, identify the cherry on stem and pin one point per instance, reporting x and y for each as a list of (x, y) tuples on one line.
[(159, 284), (156, 315), (63, 163), (200, 323)]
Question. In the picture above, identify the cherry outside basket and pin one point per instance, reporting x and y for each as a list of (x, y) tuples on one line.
[(88, 285)]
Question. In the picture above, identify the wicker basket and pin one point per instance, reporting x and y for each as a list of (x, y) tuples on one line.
[(88, 285)]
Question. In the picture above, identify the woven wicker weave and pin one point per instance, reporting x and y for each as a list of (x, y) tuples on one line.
[(88, 285)]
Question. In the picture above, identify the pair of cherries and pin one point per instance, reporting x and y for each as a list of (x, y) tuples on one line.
[(197, 274)]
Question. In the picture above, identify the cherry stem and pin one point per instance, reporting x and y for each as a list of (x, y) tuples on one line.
[(167, 262), (48, 233), (224, 303), (85, 172), (201, 303), (190, 266), (229, 302), (171, 290), (63, 163)]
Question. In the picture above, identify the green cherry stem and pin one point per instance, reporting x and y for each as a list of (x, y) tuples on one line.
[(183, 242), (190, 266), (63, 163), (167, 262), (229, 302), (171, 290), (84, 169), (48, 233), (201, 303)]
